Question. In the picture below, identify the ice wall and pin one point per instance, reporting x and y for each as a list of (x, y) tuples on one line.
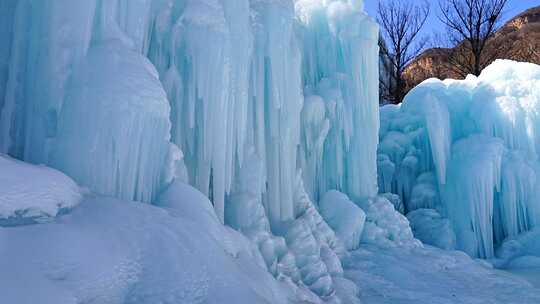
[(80, 95), (247, 93), (247, 100), (468, 148)]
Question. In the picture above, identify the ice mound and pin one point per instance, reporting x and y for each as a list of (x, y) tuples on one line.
[(33, 194), (345, 218), (431, 228), (469, 149), (525, 244), (113, 130)]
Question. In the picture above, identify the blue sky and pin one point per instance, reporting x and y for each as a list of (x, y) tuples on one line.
[(513, 7)]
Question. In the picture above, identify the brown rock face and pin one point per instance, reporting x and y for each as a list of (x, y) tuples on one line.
[(521, 35)]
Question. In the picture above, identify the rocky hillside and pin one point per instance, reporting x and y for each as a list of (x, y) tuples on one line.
[(520, 36)]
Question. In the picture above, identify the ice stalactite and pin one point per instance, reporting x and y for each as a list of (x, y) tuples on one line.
[(315, 127), (276, 93), (207, 87), (473, 179), (346, 80), (515, 208)]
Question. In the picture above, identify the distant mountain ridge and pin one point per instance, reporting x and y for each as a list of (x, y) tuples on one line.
[(520, 34)]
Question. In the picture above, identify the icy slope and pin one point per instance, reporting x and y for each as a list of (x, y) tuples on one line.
[(468, 148)]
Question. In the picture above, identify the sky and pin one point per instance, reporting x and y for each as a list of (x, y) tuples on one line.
[(513, 8)]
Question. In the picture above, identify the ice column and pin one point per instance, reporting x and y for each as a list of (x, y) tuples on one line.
[(276, 93)]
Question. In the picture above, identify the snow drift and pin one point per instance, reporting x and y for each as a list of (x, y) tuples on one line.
[(30, 194), (111, 251)]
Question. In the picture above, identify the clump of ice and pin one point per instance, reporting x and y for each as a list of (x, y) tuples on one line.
[(522, 245), (385, 226), (345, 218), (520, 255), (431, 228), (245, 212), (316, 248), (33, 194), (425, 193)]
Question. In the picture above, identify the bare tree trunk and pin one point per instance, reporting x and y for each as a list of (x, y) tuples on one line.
[(471, 27), (401, 23)]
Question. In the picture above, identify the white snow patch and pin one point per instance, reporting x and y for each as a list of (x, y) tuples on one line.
[(30, 193)]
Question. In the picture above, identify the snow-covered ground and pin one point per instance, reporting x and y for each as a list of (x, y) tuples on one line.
[(430, 275)]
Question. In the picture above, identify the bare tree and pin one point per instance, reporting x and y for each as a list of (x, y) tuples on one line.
[(401, 22), (471, 26)]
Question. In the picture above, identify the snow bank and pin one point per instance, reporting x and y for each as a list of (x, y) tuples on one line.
[(468, 148), (30, 194)]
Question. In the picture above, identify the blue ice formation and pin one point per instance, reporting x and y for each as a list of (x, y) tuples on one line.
[(469, 149), (262, 105)]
